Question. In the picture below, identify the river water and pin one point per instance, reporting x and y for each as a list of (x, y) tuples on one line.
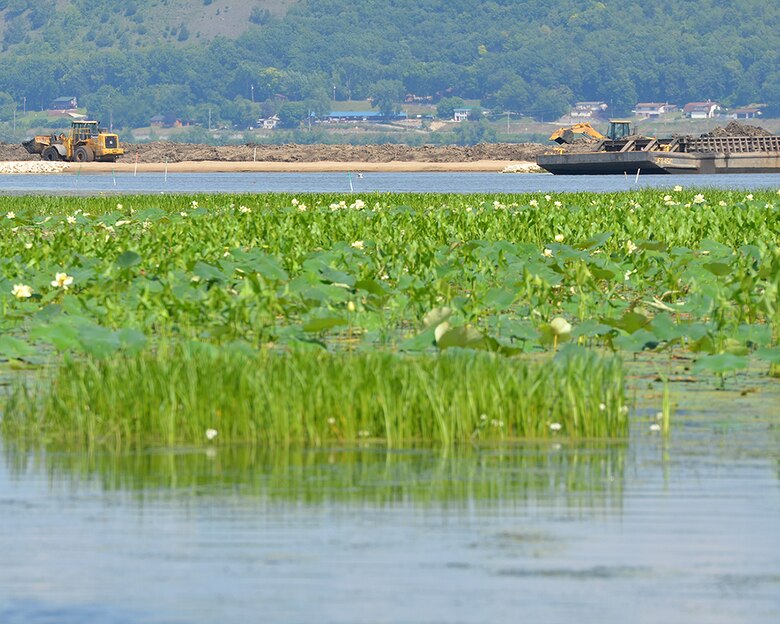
[(644, 530), (369, 183)]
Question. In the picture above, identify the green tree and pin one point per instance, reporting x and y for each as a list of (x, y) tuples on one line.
[(293, 114), (446, 107), (386, 95), (473, 132)]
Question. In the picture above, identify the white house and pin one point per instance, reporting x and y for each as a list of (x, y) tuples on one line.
[(268, 123), (588, 110), (461, 114), (701, 110), (653, 109), (749, 112)]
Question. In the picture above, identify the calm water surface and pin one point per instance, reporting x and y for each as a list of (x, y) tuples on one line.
[(641, 531), (369, 183)]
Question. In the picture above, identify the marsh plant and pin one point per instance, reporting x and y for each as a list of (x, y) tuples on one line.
[(197, 394)]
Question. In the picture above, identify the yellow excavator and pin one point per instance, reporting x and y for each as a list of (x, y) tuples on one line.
[(85, 142), (618, 129)]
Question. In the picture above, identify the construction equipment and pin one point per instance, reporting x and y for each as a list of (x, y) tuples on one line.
[(618, 129), (85, 142)]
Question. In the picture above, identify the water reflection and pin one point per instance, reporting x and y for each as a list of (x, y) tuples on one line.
[(577, 476)]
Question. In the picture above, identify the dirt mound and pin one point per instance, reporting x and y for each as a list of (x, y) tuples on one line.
[(15, 152), (165, 151), (736, 129), (178, 152)]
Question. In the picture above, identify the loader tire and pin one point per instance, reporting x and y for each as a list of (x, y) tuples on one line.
[(50, 154), (83, 153)]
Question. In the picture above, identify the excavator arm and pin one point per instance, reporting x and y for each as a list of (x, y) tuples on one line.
[(571, 133)]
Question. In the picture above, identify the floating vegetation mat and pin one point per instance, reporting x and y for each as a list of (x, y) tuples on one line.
[(199, 395)]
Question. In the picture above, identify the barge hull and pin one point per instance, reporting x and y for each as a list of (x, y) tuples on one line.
[(659, 163)]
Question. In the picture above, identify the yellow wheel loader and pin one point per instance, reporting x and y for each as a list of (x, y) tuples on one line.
[(85, 142)]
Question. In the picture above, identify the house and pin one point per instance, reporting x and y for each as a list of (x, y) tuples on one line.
[(701, 110), (62, 105), (157, 121), (461, 114), (268, 123), (588, 110), (649, 110), (749, 112)]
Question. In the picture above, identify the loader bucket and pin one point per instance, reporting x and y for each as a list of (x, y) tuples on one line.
[(33, 147)]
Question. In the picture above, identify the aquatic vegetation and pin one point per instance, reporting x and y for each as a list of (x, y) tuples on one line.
[(115, 279), (199, 394)]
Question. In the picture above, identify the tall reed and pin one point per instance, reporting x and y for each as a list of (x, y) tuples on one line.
[(183, 395)]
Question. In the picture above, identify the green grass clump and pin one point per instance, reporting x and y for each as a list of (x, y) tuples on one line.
[(186, 394)]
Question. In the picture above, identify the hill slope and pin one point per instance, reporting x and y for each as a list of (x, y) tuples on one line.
[(241, 59)]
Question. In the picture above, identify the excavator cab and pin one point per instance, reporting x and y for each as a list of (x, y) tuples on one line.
[(618, 129)]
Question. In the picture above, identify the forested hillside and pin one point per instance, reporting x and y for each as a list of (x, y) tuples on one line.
[(237, 58)]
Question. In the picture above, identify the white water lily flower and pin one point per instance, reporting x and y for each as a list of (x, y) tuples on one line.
[(359, 204), (698, 199), (559, 238), (71, 219), (183, 214), (602, 407), (119, 206), (722, 204), (294, 201), (677, 188), (667, 198), (533, 203), (194, 204), (331, 421), (10, 215), (631, 247), (655, 427), (555, 426), (28, 245), (749, 197), (22, 291), (62, 280), (244, 210), (547, 253), (548, 197), (560, 326), (558, 204), (358, 244), (211, 434)]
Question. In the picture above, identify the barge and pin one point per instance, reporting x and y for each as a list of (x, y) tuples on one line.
[(679, 155)]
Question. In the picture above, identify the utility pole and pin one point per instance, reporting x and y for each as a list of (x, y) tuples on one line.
[(209, 120), (507, 122), (253, 93), (24, 104)]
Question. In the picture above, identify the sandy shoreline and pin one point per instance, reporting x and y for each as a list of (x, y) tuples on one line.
[(213, 166)]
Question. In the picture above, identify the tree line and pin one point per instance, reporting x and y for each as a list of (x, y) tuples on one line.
[(512, 55)]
